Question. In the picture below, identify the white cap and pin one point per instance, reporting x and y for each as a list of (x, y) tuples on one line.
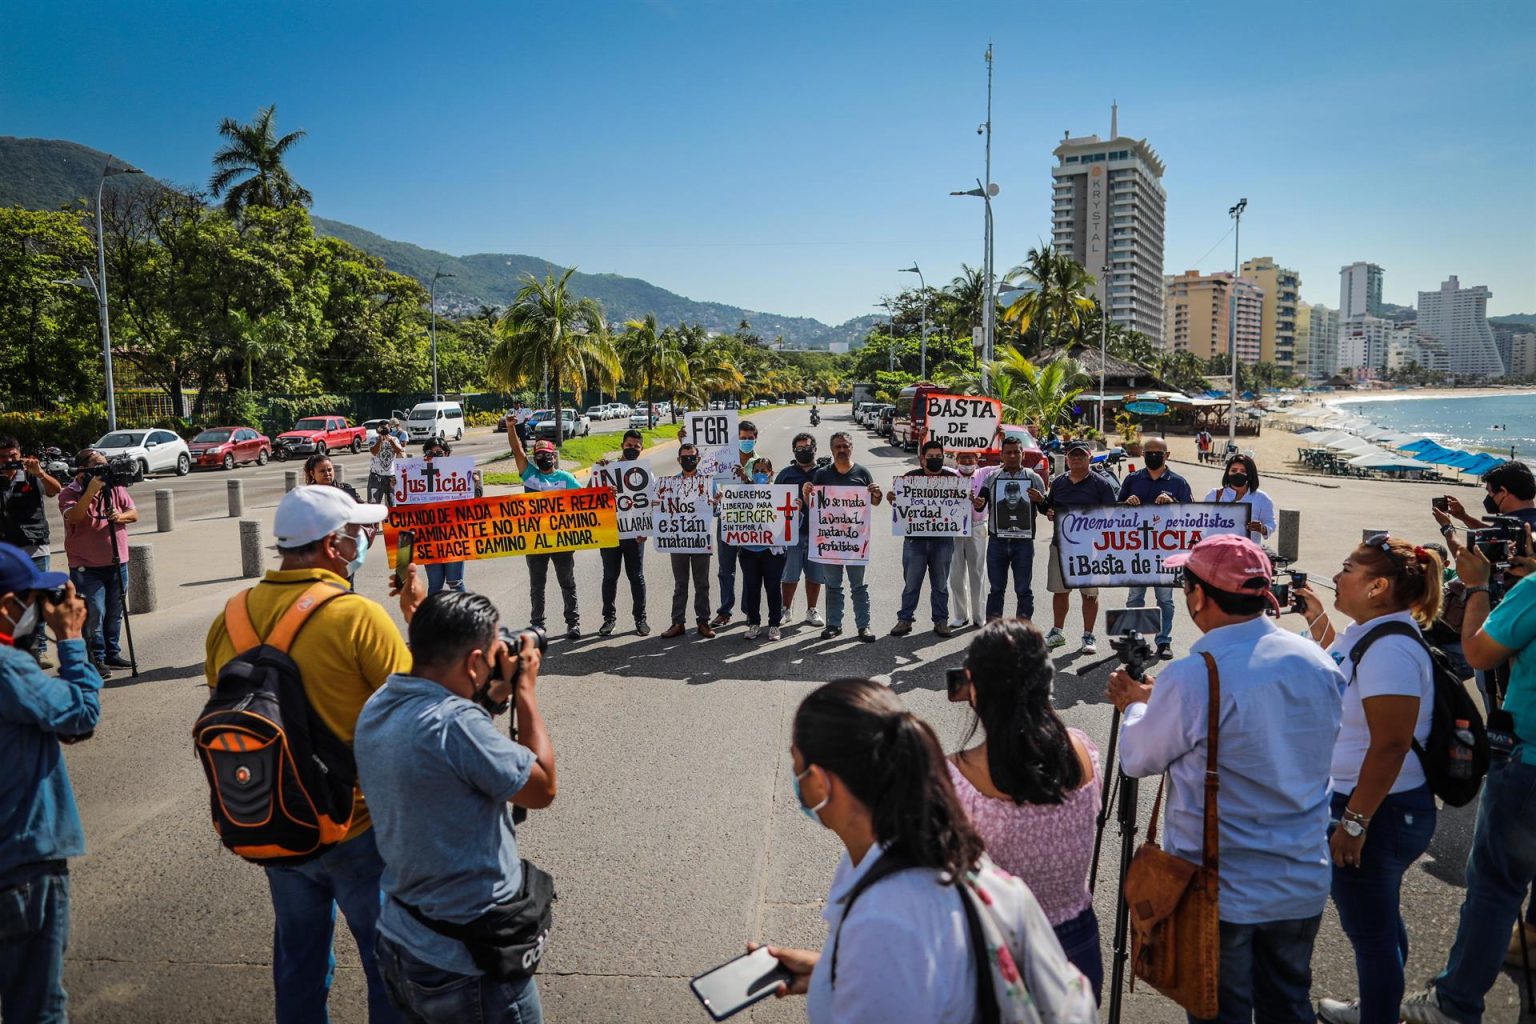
[(307, 514)]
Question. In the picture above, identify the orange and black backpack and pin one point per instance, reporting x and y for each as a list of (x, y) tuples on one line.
[(280, 782)]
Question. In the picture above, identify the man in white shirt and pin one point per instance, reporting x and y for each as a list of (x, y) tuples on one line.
[(1279, 714)]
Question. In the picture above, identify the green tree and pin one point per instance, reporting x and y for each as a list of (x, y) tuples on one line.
[(1053, 312), (249, 170), (1038, 395), (650, 357), (547, 329), (50, 348)]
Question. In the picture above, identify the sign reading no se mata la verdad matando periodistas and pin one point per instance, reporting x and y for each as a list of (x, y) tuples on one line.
[(964, 423), (1125, 546), (634, 488), (541, 523), (759, 515), (841, 521)]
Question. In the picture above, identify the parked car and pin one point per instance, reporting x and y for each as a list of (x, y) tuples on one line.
[(156, 451), (639, 419), (229, 446), (597, 412), (887, 414), (572, 425), (321, 434), (435, 419), (619, 411)]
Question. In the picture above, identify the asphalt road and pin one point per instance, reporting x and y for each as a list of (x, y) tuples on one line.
[(675, 838)]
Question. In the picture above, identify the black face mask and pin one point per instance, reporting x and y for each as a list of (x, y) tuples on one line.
[(805, 455), (934, 465), (1154, 460), (1235, 480), (1490, 505), (630, 454), (688, 462), (544, 462)]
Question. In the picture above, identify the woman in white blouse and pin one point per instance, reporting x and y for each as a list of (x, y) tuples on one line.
[(1383, 810), (1240, 482)]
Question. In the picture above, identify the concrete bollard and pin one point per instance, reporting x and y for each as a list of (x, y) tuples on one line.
[(141, 579), (341, 471), (250, 548), (1289, 543), (165, 511), (290, 479), (236, 492)]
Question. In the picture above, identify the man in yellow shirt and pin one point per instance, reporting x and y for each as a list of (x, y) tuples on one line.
[(345, 651)]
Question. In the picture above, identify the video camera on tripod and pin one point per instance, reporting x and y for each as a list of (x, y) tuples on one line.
[(117, 471), (1500, 542)]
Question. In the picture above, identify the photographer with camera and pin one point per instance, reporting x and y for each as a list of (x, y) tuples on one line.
[(386, 448), (24, 483), (38, 815), (1277, 715), (465, 921), (1510, 491), (97, 509)]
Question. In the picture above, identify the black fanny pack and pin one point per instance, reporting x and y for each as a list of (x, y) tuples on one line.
[(506, 942)]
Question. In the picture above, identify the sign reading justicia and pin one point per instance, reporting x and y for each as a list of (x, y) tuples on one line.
[(1126, 545)]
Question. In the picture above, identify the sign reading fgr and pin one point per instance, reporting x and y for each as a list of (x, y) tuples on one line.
[(964, 423)]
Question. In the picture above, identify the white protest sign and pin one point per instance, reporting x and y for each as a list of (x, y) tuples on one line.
[(685, 520), (840, 525), (964, 423), (423, 481), (931, 506), (759, 514), (713, 431), (1125, 546), (634, 488)]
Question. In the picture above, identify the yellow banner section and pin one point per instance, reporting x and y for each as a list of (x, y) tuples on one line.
[(515, 524)]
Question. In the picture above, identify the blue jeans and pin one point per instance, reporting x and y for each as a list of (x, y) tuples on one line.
[(34, 932), (1018, 555), (104, 603), (444, 575), (1367, 896), (926, 556), (725, 572), (1499, 871), (427, 995), (1137, 598), (832, 577), (1266, 973), (304, 901), (1079, 939), (631, 555)]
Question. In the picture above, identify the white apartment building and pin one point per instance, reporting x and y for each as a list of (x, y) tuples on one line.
[(1359, 290), (1323, 342), (1107, 204), (1522, 356), (1250, 321), (1363, 342), (1457, 317), (1407, 346)]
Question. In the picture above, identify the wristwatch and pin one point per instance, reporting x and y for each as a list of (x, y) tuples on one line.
[(1481, 588), (1353, 823)]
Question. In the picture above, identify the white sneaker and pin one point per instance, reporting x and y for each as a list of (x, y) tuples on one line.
[(813, 618), (1332, 1011), (773, 633), (753, 631), (1090, 645), (1055, 639), (1424, 1008), (959, 623)]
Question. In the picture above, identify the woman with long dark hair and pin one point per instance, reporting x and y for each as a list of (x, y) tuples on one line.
[(1240, 483), (899, 913), (1032, 786)]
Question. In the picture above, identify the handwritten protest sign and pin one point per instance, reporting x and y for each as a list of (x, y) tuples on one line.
[(759, 514), (421, 481), (513, 524), (714, 432), (634, 488), (840, 525), (931, 506), (685, 520), (964, 423), (1124, 546)]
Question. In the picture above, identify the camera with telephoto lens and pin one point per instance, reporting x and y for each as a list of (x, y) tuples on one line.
[(118, 471), (513, 641), (1501, 541)]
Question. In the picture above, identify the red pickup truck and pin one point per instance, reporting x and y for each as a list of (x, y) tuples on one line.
[(320, 434)]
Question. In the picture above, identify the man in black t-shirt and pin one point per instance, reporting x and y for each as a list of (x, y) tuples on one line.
[(844, 472), (24, 483), (926, 556), (797, 559)]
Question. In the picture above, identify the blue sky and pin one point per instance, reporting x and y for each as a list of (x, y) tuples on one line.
[(791, 156)]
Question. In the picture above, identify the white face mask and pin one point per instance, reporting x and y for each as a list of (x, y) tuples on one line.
[(965, 469), (24, 627)]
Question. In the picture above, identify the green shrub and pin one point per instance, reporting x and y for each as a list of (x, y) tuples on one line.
[(72, 427), (482, 419)]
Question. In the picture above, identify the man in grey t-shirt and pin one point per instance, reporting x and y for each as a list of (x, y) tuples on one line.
[(1009, 494), (440, 779)]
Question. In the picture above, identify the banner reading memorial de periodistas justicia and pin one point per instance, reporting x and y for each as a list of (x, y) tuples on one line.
[(541, 523), (1125, 546)]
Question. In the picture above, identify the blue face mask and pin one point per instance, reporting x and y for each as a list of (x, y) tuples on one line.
[(809, 812), (746, 444), (759, 478), (356, 565)]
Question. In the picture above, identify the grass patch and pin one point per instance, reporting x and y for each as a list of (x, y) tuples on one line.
[(580, 452)]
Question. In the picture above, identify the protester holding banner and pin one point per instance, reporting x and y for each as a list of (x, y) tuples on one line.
[(970, 553), (544, 474), (445, 575), (843, 472), (1241, 483), (689, 489), (631, 550), (797, 558), (1079, 485), (746, 444), (925, 555), (1155, 485), (762, 567), (1006, 497)]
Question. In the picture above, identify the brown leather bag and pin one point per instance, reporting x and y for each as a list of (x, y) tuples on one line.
[(1175, 923)]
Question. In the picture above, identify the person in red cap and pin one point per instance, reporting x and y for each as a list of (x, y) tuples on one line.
[(1278, 714)]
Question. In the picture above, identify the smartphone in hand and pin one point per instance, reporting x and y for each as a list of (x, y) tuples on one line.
[(1441, 504), (737, 984), (405, 554)]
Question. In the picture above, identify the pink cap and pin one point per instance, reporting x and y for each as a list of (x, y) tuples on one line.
[(1230, 563)]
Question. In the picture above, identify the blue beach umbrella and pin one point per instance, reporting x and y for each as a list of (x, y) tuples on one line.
[(1422, 444)]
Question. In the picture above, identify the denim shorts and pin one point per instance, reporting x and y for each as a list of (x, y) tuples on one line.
[(796, 561)]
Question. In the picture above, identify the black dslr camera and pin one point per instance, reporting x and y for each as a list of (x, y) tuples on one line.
[(118, 471), (1128, 629), (1501, 541), (513, 640)]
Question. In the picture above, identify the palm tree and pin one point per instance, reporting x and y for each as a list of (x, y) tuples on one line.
[(1041, 395), (256, 154), (651, 357), (1057, 308), (549, 330), (963, 302)]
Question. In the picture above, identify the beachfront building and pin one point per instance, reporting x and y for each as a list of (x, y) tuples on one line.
[(1277, 319), (1363, 341), (1107, 204), (1250, 321), (1407, 346), (1359, 290), (1322, 342), (1457, 317), (1522, 356), (1302, 364), (1198, 315)]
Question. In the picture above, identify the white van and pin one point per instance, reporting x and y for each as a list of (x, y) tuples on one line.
[(435, 419)]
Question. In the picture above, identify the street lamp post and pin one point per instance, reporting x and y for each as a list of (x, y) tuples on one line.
[(922, 286), (986, 193), (100, 286), (1236, 213), (433, 292), (1103, 336)]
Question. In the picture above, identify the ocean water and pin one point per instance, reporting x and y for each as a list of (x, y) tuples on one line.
[(1493, 422)]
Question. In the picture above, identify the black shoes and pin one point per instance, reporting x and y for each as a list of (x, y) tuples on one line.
[(1165, 652), (831, 632), (867, 635), (118, 661)]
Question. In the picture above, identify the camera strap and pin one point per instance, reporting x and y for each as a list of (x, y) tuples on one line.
[(1210, 852)]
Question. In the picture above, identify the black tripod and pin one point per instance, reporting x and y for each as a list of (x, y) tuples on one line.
[(117, 582)]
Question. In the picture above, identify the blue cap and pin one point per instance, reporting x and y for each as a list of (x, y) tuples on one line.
[(18, 573)]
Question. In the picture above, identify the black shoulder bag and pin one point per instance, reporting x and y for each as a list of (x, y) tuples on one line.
[(506, 942)]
